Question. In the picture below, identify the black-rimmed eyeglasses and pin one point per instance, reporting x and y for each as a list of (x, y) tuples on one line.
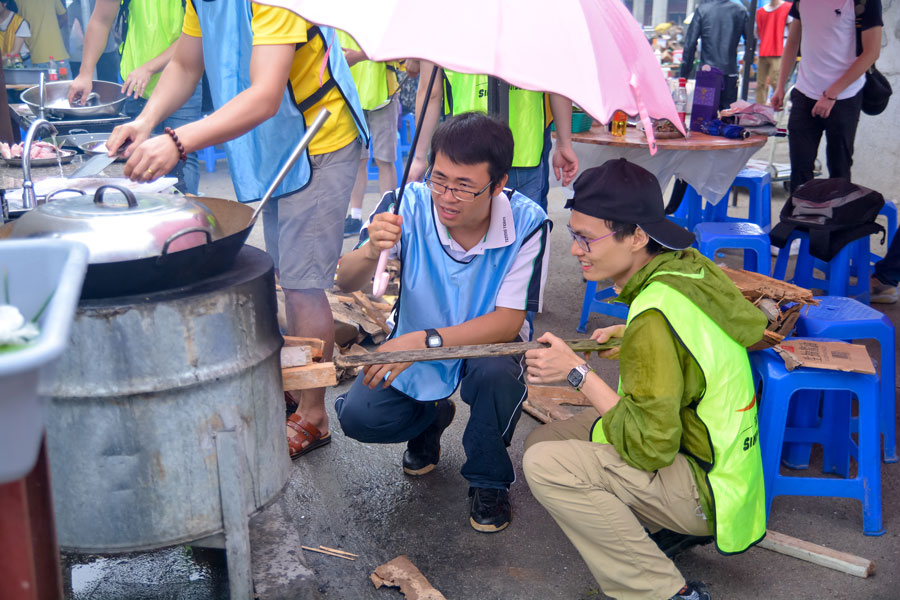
[(461, 195)]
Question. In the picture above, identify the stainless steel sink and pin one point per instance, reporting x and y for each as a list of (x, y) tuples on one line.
[(23, 76)]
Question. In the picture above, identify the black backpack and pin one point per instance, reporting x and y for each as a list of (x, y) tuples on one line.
[(834, 212), (877, 90)]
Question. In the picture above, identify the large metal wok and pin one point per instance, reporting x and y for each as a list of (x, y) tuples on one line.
[(106, 99), (176, 269)]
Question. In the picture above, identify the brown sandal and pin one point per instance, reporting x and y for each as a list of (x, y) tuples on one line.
[(311, 438)]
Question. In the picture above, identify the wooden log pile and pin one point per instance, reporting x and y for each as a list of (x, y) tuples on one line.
[(780, 301), (358, 318)]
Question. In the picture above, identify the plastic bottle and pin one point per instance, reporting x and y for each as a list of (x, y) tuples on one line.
[(618, 124), (680, 98), (63, 71), (52, 71)]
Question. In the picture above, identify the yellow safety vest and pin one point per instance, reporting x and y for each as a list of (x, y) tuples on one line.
[(376, 82), (467, 93), (9, 36), (728, 412), (153, 26)]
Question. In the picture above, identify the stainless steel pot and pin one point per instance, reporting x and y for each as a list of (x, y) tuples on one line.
[(117, 225), (106, 99)]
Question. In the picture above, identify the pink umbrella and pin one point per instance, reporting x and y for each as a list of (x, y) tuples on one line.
[(590, 51)]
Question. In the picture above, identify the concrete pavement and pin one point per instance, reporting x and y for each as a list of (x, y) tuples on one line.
[(355, 497)]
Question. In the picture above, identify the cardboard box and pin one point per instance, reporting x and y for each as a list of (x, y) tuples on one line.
[(834, 356)]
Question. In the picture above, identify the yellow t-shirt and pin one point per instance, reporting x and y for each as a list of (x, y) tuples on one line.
[(46, 39), (272, 25)]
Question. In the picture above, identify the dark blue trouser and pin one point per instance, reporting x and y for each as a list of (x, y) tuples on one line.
[(887, 270), (494, 388)]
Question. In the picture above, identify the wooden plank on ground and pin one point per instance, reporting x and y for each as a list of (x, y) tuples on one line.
[(547, 407), (816, 554), (314, 375), (559, 394), (370, 310), (316, 346), (536, 412), (295, 356)]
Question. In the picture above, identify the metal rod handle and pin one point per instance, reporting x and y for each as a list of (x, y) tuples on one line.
[(304, 142)]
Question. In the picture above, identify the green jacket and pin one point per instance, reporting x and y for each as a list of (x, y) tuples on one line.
[(660, 381)]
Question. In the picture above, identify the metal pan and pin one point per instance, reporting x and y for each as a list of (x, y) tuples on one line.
[(89, 149), (65, 157), (185, 267), (108, 102), (171, 269), (175, 269)]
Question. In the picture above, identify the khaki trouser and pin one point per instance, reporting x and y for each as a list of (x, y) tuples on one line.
[(767, 68), (603, 504)]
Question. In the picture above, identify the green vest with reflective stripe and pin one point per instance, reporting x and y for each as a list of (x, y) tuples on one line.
[(153, 26), (728, 412), (375, 81), (467, 93)]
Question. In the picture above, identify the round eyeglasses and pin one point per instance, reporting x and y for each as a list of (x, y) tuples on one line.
[(583, 242), (461, 195)]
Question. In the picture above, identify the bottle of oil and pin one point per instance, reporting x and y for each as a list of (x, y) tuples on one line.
[(619, 123)]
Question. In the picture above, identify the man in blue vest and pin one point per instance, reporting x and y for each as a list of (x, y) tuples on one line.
[(674, 448), (270, 73), (474, 260)]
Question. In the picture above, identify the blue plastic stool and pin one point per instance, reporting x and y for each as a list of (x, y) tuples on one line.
[(690, 212), (758, 184), (749, 236), (407, 131), (595, 302), (759, 187), (778, 386), (407, 128), (847, 320), (837, 270), (210, 155)]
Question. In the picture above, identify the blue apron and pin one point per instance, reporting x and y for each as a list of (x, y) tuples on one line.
[(255, 158), (437, 291)]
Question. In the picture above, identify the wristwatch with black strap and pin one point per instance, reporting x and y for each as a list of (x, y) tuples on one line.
[(433, 339)]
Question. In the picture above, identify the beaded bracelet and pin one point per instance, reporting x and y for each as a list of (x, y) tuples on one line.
[(181, 153)]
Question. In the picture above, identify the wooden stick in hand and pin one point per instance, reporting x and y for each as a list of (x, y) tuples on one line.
[(460, 352)]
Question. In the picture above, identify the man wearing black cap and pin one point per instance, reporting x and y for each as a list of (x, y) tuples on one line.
[(674, 449)]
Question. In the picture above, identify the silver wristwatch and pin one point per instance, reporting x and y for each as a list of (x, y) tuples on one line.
[(577, 375)]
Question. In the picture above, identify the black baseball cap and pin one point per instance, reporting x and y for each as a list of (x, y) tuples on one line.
[(622, 191)]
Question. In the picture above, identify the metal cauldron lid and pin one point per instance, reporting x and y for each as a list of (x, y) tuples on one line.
[(113, 201), (117, 225)]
